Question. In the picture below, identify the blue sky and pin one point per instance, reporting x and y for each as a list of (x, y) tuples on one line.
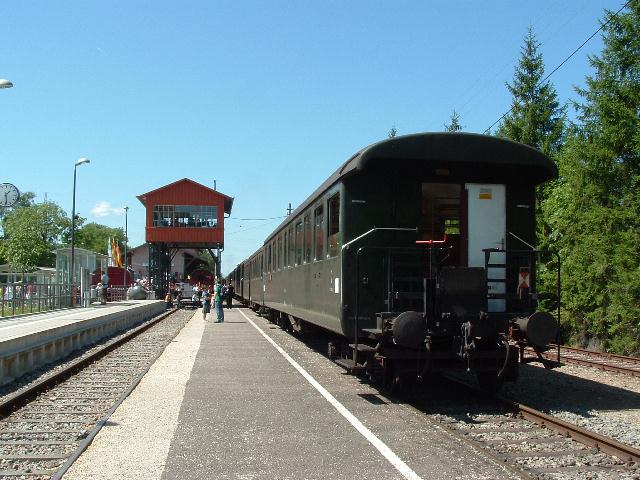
[(265, 97)]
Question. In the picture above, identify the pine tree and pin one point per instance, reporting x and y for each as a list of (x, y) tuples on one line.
[(536, 118), (594, 211), (454, 126)]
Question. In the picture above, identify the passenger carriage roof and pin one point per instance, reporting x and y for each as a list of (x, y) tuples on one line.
[(441, 147)]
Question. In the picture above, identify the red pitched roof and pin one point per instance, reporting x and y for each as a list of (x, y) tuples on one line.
[(228, 201)]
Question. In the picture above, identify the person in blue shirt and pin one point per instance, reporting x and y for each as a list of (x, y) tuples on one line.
[(217, 300)]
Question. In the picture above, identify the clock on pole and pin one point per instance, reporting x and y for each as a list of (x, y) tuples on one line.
[(9, 195)]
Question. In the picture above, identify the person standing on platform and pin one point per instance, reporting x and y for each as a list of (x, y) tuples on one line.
[(105, 285), (206, 304), (223, 295), (217, 300), (230, 290)]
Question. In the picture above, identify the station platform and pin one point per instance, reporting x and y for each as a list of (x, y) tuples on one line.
[(28, 341), (244, 399)]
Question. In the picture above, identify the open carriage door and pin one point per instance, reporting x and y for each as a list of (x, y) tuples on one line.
[(486, 228)]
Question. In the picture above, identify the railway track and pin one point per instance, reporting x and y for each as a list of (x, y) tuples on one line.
[(600, 360), (44, 428), (533, 444)]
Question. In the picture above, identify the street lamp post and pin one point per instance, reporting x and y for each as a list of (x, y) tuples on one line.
[(73, 226), (126, 263)]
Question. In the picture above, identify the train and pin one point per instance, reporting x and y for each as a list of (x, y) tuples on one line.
[(418, 254)]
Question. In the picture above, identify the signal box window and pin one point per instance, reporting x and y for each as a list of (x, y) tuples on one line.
[(193, 216), (333, 234), (318, 227)]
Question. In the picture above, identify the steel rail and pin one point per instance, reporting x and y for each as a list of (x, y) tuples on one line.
[(607, 445), (599, 364), (19, 398), (613, 356), (624, 452)]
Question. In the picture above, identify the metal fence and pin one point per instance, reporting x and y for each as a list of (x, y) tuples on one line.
[(115, 293), (20, 298)]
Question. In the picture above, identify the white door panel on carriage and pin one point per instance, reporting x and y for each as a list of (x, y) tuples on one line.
[(487, 229)]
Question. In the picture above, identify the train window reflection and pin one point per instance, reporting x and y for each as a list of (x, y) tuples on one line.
[(318, 227), (441, 215), (299, 242), (292, 247), (333, 205), (279, 253), (307, 239), (286, 248)]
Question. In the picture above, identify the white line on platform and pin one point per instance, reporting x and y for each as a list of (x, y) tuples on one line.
[(402, 467)]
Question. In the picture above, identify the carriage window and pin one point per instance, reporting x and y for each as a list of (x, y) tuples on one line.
[(299, 242), (318, 232), (286, 248), (333, 234), (279, 254), (440, 210), (292, 247), (274, 256), (441, 216), (307, 239)]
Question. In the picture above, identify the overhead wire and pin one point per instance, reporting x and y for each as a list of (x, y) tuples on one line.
[(256, 219), (541, 82), (242, 229)]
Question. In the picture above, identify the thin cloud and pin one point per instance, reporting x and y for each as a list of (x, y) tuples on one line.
[(104, 209)]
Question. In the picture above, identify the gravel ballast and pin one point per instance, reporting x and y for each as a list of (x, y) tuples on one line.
[(603, 402), (135, 442)]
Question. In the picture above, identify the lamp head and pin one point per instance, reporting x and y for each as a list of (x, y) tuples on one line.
[(82, 160), (4, 83)]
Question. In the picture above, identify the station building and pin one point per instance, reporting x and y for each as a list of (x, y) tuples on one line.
[(179, 216)]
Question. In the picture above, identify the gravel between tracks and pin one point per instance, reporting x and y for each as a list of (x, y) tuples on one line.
[(135, 442), (603, 402), (28, 380)]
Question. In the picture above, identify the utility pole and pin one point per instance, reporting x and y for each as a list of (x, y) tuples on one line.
[(289, 210)]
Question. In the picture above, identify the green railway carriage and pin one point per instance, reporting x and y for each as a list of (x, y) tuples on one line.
[(424, 235)]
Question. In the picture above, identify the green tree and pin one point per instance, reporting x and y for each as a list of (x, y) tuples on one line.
[(95, 237), (31, 233), (594, 211), (536, 118), (455, 125), (25, 200)]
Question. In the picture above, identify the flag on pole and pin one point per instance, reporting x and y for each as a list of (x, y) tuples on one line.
[(115, 253), (119, 262)]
